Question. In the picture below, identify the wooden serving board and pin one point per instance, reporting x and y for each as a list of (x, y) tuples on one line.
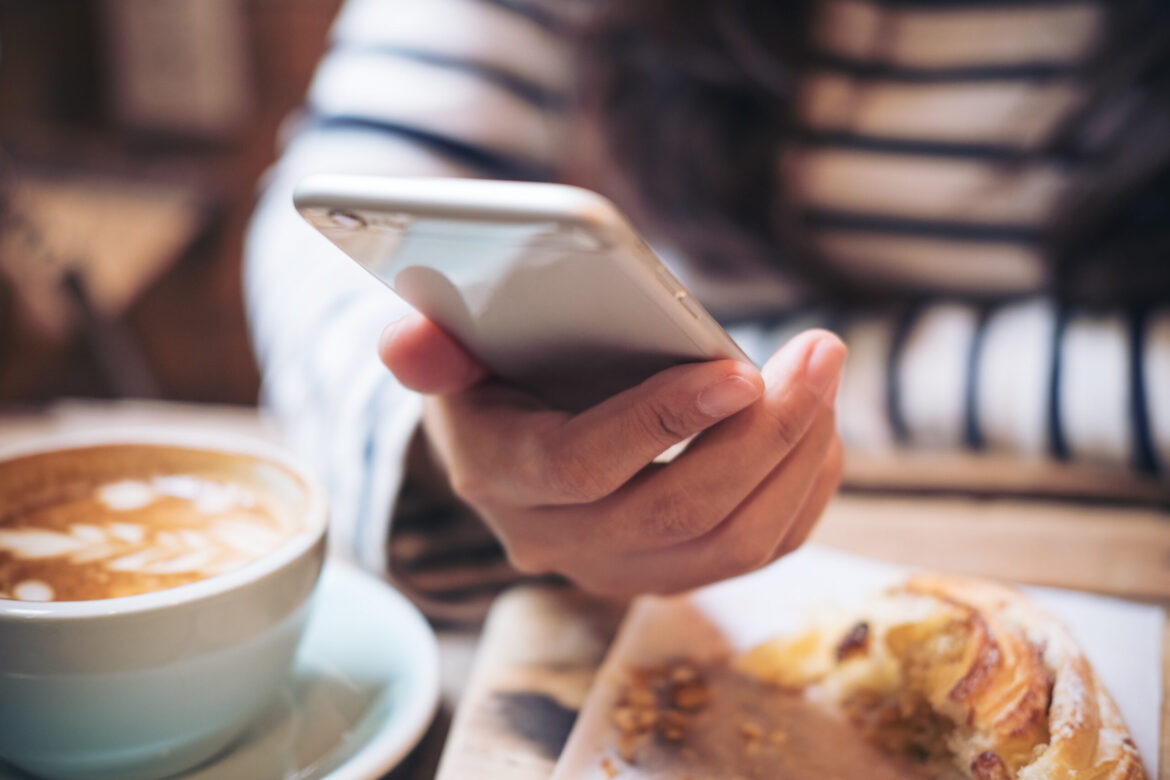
[(542, 645)]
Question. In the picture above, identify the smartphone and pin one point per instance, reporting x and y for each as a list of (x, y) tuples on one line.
[(547, 284)]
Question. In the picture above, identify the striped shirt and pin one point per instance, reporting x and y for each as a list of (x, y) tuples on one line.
[(908, 117)]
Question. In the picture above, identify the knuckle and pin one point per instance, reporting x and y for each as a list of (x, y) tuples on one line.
[(746, 553), (664, 425), (571, 475), (673, 516), (789, 422)]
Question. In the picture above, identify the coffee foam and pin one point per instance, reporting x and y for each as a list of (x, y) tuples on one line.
[(228, 538), (209, 497), (33, 590), (73, 535), (32, 543)]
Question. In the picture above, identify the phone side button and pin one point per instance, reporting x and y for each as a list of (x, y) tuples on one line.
[(690, 304)]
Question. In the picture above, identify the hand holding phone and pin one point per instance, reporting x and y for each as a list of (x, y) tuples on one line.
[(578, 494), (546, 416)]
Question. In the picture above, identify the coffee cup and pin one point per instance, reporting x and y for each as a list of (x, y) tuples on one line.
[(153, 589)]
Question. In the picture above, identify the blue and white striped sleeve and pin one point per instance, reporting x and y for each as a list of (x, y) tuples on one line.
[(407, 88), (1027, 377)]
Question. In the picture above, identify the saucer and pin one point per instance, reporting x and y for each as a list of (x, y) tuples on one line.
[(361, 693)]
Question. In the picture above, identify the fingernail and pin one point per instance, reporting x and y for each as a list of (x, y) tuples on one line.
[(824, 364), (727, 396)]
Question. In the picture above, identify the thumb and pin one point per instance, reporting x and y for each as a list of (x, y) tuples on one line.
[(425, 359)]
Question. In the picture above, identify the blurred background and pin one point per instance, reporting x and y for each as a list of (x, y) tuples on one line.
[(132, 137)]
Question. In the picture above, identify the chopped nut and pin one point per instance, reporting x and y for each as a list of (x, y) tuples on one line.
[(751, 730), (778, 737), (665, 702), (609, 767), (691, 696), (645, 719), (640, 697), (623, 718)]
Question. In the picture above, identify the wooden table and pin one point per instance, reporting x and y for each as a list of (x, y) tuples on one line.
[(510, 695), (541, 646)]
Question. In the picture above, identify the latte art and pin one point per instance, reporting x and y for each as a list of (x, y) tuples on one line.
[(130, 535), (209, 497), (231, 533)]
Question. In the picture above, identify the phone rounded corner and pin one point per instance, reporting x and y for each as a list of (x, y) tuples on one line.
[(307, 191), (596, 214)]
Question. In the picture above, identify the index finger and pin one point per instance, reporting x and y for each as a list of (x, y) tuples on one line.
[(700, 488), (590, 455)]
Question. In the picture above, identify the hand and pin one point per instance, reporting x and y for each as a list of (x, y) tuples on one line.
[(579, 494)]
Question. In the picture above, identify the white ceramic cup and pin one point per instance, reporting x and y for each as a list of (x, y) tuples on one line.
[(149, 685)]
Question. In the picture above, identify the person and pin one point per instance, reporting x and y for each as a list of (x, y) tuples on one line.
[(973, 194)]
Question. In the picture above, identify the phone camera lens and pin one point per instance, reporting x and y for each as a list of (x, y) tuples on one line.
[(344, 219)]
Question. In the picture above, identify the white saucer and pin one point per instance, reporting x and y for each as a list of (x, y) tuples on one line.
[(361, 694)]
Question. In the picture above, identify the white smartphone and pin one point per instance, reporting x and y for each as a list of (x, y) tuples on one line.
[(547, 284)]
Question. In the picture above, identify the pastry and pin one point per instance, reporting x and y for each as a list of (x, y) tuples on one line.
[(967, 678)]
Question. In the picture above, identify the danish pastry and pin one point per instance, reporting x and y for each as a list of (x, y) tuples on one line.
[(967, 678)]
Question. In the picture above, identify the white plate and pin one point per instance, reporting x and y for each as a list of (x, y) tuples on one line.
[(361, 694)]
